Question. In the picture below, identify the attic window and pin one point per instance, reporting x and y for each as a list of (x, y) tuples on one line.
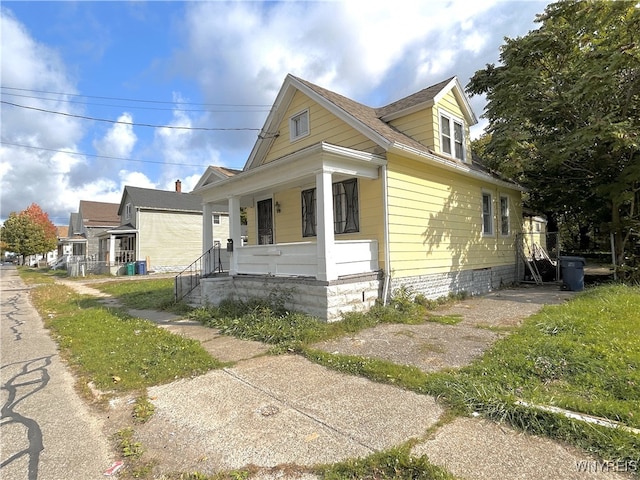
[(452, 137), (127, 211), (299, 125)]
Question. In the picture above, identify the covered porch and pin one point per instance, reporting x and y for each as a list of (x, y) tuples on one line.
[(304, 222), (320, 254), (117, 247)]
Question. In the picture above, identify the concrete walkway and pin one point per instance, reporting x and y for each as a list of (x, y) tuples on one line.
[(47, 431), (275, 411)]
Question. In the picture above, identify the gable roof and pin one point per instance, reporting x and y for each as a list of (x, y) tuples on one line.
[(62, 231), (427, 98), (214, 173), (152, 199), (98, 214), (371, 122)]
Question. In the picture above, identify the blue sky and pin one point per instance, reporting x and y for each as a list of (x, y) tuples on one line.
[(125, 78)]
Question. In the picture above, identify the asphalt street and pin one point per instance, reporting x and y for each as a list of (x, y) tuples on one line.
[(47, 432)]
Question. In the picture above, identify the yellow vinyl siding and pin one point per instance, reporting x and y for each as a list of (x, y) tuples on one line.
[(419, 126), (435, 221), (251, 226), (288, 223), (289, 220), (323, 126), (449, 104)]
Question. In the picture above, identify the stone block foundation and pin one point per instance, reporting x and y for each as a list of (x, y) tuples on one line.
[(328, 300), (325, 300)]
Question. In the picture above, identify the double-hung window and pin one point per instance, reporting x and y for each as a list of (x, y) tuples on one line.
[(127, 211), (487, 214), (504, 215), (216, 219), (452, 137), (299, 125), (345, 209)]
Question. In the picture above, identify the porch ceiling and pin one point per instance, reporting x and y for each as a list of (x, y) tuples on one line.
[(296, 169)]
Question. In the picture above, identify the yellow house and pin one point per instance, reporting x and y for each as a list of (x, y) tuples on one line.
[(345, 203)]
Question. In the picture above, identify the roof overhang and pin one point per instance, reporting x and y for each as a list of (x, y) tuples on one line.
[(269, 132), (453, 85), (453, 166), (296, 169)]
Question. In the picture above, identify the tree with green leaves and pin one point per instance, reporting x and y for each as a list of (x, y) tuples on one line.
[(564, 115), (29, 232)]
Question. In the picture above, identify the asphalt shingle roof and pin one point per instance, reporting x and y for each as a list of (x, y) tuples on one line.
[(99, 214), (372, 118), (164, 199)]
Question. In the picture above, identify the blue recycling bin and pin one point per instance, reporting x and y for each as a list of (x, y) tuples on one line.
[(141, 267), (572, 271)]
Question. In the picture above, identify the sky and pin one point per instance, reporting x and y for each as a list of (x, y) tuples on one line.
[(99, 95)]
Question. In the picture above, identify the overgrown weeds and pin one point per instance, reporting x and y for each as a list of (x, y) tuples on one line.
[(582, 356), (115, 351), (268, 320), (155, 294), (396, 463)]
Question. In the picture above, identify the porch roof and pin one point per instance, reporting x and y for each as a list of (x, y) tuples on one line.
[(295, 169), (128, 228)]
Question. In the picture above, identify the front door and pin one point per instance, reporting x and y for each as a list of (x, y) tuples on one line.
[(265, 222)]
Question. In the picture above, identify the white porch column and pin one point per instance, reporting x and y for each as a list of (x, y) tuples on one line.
[(207, 227), (325, 237), (234, 233), (112, 249)]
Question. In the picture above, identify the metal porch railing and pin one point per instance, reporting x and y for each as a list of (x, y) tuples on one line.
[(188, 280)]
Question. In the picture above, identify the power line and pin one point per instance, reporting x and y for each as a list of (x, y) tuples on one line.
[(252, 110), (100, 156), (138, 100), (129, 123)]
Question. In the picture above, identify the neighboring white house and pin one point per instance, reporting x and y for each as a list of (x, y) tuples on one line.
[(162, 228)]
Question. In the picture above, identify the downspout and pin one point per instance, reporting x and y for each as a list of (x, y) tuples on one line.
[(387, 255), (137, 234)]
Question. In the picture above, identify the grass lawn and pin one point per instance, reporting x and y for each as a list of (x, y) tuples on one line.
[(583, 356), (148, 293), (112, 349)]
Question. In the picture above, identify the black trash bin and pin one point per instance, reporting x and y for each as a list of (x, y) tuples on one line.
[(572, 271)]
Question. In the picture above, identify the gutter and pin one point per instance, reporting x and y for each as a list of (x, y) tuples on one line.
[(453, 166)]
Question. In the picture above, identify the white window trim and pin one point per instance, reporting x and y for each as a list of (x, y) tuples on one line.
[(491, 214), (292, 136), (218, 217), (508, 215), (127, 211), (452, 120)]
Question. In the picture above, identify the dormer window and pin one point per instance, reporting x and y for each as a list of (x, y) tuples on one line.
[(299, 125), (127, 211), (452, 137)]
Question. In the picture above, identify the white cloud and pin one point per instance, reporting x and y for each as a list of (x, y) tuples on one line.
[(119, 139), (40, 174), (137, 179), (237, 53)]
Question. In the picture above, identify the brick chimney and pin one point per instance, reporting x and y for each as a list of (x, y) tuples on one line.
[(178, 186)]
